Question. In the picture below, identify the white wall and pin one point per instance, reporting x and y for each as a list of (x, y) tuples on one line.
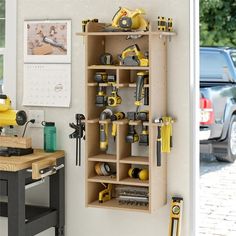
[(87, 221)]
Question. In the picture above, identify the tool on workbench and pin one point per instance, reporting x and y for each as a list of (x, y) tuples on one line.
[(114, 117), (85, 22), (78, 134), (142, 78), (176, 216), (132, 56), (127, 20), (106, 59), (12, 146), (8, 116), (144, 136), (106, 194), (105, 115), (130, 195), (138, 173), (101, 97), (114, 99)]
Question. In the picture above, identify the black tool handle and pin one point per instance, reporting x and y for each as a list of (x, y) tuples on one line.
[(159, 146), (146, 96)]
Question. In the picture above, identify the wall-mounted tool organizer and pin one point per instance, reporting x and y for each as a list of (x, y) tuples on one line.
[(125, 173)]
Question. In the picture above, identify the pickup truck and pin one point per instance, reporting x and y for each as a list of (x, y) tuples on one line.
[(218, 102)]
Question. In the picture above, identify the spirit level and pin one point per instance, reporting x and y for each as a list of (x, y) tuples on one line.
[(175, 216)]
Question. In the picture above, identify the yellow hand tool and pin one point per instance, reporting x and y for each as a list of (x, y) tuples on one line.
[(176, 216), (105, 195)]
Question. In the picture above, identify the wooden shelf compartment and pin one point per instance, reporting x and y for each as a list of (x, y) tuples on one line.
[(94, 177), (128, 76), (114, 204), (123, 177), (92, 73), (93, 189)]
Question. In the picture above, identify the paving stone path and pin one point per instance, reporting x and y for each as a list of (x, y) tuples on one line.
[(217, 198)]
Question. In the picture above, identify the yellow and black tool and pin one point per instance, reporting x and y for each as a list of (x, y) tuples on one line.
[(8, 116), (161, 23), (127, 20), (170, 25), (101, 97), (142, 78), (114, 117), (176, 216), (85, 22), (144, 136), (132, 136), (137, 173), (164, 136), (101, 77), (105, 195), (114, 99), (106, 114), (132, 56)]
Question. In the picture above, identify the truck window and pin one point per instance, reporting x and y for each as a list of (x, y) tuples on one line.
[(233, 56), (213, 65)]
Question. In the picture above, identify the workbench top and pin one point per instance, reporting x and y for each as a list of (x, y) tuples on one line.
[(16, 163)]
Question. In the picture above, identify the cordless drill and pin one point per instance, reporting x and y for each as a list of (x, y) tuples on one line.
[(106, 114), (142, 78)]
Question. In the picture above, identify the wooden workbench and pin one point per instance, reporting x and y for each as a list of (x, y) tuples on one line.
[(15, 175)]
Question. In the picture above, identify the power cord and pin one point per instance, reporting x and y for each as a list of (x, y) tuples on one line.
[(26, 124)]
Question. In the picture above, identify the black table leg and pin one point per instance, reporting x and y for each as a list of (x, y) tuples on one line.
[(16, 204), (57, 197)]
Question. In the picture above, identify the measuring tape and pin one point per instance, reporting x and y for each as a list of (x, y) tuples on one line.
[(175, 216)]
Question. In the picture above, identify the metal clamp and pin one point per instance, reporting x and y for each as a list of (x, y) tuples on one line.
[(52, 170)]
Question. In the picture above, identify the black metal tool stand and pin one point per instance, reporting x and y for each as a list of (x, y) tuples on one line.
[(28, 220)]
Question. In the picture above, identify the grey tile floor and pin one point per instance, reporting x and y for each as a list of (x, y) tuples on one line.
[(217, 198)]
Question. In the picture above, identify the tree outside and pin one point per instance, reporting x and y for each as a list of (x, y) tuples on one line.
[(218, 23)]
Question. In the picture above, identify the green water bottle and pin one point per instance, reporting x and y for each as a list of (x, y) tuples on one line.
[(50, 136)]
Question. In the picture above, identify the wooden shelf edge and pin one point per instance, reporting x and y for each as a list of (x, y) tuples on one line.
[(141, 160), (103, 158), (134, 182), (103, 179), (114, 204)]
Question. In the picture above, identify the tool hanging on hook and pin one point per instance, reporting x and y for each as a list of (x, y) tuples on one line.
[(78, 134)]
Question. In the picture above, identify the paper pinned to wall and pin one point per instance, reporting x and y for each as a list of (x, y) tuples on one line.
[(47, 85)]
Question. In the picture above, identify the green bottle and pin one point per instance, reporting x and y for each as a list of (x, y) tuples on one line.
[(50, 136)]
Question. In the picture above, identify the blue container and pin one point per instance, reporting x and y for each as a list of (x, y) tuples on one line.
[(50, 136)]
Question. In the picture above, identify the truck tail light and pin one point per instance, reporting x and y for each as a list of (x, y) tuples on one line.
[(206, 112)]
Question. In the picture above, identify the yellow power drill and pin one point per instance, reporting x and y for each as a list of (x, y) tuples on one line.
[(106, 114), (8, 116)]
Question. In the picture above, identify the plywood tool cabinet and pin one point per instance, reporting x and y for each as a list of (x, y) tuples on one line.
[(123, 155)]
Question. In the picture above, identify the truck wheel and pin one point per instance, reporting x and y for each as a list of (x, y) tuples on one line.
[(229, 155)]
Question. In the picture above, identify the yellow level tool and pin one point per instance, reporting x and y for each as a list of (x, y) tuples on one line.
[(176, 216)]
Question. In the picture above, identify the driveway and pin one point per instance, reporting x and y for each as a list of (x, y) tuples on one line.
[(217, 198)]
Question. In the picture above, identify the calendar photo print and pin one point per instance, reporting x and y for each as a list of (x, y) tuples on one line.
[(47, 41)]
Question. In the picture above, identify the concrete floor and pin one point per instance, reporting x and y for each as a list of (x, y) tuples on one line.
[(217, 197)]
